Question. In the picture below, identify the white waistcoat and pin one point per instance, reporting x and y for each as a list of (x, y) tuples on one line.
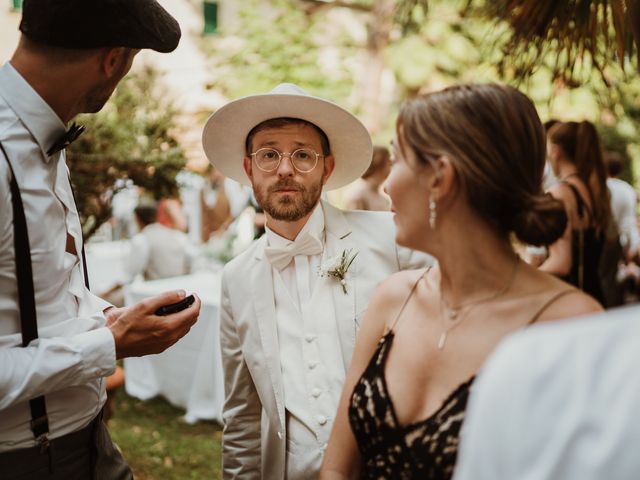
[(310, 357)]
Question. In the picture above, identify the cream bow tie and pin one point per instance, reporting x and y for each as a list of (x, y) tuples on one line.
[(280, 257)]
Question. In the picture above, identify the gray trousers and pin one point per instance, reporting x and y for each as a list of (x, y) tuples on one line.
[(88, 454)]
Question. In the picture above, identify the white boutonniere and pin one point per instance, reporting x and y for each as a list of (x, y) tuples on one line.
[(337, 267)]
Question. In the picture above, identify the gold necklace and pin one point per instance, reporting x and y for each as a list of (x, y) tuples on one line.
[(453, 316)]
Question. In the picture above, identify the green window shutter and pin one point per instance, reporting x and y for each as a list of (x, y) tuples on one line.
[(210, 16)]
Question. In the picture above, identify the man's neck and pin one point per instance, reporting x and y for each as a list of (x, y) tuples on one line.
[(59, 91)]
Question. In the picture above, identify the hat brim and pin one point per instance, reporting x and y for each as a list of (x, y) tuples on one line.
[(226, 131)]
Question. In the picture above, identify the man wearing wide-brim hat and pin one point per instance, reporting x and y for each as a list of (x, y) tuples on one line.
[(58, 342), (292, 302)]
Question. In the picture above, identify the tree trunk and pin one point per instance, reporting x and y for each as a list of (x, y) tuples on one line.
[(375, 104)]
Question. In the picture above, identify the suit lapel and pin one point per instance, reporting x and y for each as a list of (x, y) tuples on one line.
[(265, 315), (338, 240)]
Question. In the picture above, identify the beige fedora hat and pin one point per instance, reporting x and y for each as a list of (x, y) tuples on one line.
[(226, 131)]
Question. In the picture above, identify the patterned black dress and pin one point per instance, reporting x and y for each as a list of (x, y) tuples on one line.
[(425, 449), (422, 450)]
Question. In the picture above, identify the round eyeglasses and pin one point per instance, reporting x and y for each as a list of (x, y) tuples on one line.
[(303, 160)]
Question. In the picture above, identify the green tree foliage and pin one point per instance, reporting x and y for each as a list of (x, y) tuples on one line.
[(432, 44), (456, 44), (277, 43), (578, 35), (131, 138)]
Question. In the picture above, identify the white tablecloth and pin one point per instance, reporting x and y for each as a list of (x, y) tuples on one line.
[(188, 374), (105, 264)]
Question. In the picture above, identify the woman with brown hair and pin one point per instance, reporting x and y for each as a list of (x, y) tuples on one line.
[(577, 161), (467, 174), (366, 192)]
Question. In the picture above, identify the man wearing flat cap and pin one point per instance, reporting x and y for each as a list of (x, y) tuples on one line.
[(291, 303), (58, 342)]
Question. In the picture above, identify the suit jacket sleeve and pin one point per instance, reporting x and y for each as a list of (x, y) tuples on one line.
[(242, 408)]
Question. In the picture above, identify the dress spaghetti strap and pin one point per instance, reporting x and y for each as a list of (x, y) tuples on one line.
[(406, 300), (581, 205), (548, 303)]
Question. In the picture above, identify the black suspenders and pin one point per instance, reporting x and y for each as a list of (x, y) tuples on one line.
[(26, 300)]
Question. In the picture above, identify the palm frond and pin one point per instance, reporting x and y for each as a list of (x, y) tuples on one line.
[(574, 32)]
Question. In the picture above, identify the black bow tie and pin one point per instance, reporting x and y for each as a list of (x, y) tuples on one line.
[(66, 138)]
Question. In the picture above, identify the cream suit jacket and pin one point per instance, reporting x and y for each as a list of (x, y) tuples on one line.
[(254, 414)]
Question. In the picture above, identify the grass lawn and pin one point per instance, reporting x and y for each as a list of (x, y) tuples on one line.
[(160, 446)]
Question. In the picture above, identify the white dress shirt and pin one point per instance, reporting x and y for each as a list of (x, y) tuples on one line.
[(558, 402), (623, 208), (310, 353), (74, 350)]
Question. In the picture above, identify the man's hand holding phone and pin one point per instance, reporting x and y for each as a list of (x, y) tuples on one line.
[(154, 324)]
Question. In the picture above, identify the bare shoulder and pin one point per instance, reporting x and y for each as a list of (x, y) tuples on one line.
[(573, 303), (398, 285), (389, 296), (561, 191)]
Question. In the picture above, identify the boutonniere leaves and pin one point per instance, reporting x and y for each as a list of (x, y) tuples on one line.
[(337, 267)]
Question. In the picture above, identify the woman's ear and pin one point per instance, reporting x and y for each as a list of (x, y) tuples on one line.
[(444, 178)]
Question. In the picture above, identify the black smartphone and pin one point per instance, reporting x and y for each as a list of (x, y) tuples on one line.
[(176, 307)]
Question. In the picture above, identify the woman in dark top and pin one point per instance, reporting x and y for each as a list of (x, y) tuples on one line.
[(576, 158), (467, 174)]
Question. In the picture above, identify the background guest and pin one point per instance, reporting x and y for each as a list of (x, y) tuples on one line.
[(577, 161), (158, 251), (623, 207), (214, 204), (467, 173), (624, 200), (222, 200), (548, 178), (171, 215), (366, 192)]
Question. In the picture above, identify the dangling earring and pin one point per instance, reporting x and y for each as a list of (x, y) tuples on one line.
[(432, 212)]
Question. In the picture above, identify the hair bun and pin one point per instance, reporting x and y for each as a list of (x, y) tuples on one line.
[(541, 220)]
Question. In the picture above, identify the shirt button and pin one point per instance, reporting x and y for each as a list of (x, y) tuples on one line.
[(312, 365), (316, 392), (309, 338), (322, 419), (280, 435)]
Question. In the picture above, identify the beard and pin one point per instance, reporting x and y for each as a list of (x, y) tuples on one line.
[(97, 98), (288, 208)]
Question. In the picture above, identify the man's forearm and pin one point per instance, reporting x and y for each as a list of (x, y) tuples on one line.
[(52, 364)]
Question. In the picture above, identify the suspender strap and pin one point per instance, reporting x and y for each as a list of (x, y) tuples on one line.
[(24, 272), (26, 298), (84, 267)]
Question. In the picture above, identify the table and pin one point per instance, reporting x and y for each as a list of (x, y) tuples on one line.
[(188, 374), (106, 264)]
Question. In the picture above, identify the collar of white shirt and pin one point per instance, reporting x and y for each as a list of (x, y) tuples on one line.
[(314, 226), (36, 114)]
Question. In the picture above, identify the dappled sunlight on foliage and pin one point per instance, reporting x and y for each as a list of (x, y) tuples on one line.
[(131, 138)]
